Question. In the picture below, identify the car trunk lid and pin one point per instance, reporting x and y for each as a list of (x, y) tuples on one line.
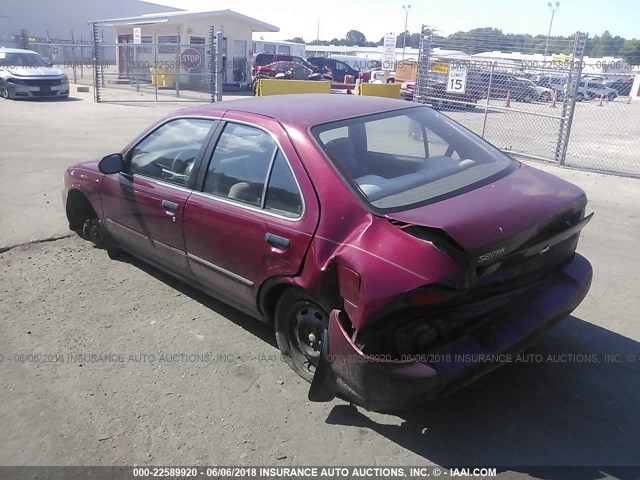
[(523, 224)]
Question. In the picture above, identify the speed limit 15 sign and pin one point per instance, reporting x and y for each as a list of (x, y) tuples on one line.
[(457, 79)]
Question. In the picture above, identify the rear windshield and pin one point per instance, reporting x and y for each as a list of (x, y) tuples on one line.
[(402, 159)]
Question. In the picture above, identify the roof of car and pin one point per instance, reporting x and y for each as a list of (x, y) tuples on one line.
[(304, 109)]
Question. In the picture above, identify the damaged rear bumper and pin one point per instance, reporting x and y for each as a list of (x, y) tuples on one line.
[(378, 384)]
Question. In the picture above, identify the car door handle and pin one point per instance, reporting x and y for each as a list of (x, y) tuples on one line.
[(277, 241), (171, 206)]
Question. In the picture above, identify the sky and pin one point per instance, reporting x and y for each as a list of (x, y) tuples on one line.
[(374, 18)]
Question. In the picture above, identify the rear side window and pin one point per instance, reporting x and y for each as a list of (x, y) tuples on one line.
[(240, 162), (247, 167), (283, 195)]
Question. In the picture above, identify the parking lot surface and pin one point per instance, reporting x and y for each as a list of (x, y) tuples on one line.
[(110, 362)]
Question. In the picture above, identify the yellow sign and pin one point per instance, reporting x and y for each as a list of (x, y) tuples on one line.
[(560, 58), (440, 67)]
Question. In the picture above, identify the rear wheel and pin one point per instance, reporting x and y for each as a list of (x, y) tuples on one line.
[(300, 324), (580, 97)]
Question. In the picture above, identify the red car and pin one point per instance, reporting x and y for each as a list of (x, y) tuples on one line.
[(397, 255)]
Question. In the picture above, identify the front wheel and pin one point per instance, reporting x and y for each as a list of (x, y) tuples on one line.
[(4, 93), (300, 324)]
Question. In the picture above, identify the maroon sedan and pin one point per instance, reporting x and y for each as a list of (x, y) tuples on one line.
[(397, 255)]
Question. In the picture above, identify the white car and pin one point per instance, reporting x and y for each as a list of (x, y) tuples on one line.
[(378, 76), (544, 94), (25, 74), (589, 89)]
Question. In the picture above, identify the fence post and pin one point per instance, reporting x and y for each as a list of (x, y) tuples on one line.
[(81, 58), (211, 63), (564, 133), (73, 58), (219, 66), (178, 61), (96, 61), (424, 65), (486, 105)]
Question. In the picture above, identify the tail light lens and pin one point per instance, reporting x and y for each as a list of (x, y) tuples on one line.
[(430, 296)]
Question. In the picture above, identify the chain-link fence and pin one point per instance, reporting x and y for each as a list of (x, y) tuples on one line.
[(533, 105), (156, 68)]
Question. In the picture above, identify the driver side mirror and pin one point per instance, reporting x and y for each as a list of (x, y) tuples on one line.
[(110, 164), (49, 61)]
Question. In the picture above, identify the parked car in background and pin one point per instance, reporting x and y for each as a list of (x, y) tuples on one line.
[(589, 89), (622, 86), (25, 74), (289, 71), (543, 94), (554, 82), (406, 90), (392, 250), (337, 68), (262, 60), (361, 64), (377, 76)]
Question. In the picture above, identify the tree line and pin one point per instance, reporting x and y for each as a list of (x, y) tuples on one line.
[(489, 39)]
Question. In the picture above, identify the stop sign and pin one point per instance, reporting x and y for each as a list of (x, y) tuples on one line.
[(190, 58)]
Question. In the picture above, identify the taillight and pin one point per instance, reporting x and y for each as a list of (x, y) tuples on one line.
[(430, 296)]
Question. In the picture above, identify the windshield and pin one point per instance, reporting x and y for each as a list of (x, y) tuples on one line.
[(409, 157), (8, 59)]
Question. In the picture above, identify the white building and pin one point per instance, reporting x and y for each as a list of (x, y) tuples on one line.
[(186, 30)]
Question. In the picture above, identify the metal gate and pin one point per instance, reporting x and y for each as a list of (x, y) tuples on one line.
[(522, 106), (156, 68)]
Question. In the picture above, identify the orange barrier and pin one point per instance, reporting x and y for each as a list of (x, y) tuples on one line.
[(553, 101), (601, 99), (507, 104)]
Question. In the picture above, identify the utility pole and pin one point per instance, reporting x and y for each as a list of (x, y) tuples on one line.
[(406, 9)]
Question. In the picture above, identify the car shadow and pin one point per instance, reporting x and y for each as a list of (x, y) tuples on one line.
[(257, 328), (582, 411)]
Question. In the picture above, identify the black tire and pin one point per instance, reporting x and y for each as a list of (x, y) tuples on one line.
[(300, 321), (4, 93), (545, 97), (94, 231), (579, 97), (611, 97)]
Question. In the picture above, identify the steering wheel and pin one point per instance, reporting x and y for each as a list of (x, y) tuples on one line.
[(181, 161)]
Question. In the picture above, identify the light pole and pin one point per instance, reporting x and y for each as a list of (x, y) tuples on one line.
[(553, 11), (406, 9)]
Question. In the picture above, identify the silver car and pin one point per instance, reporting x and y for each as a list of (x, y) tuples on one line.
[(25, 74)]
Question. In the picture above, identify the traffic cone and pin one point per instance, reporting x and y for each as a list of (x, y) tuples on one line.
[(601, 99), (507, 104), (628, 99), (553, 100)]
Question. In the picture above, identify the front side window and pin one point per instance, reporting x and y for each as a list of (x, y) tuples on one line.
[(398, 160), (169, 152)]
